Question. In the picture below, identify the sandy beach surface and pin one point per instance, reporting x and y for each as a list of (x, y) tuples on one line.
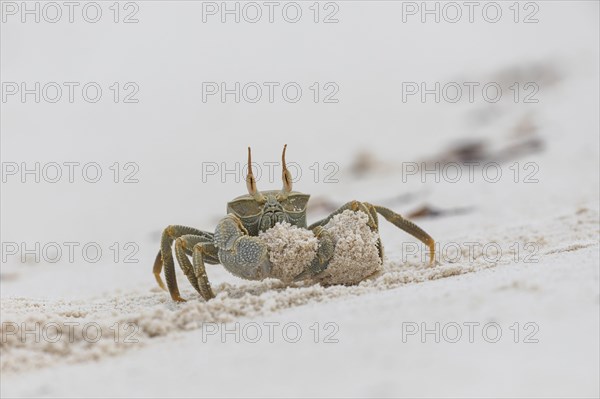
[(510, 308)]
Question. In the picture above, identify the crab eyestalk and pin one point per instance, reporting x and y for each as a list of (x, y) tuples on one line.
[(285, 176), (251, 182)]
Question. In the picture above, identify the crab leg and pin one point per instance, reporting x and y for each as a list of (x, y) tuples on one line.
[(196, 273), (409, 227), (200, 250), (373, 214), (166, 257)]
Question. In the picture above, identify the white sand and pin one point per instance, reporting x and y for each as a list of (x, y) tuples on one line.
[(291, 250), (156, 316), (547, 277), (355, 257)]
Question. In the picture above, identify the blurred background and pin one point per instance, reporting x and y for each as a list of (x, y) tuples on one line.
[(363, 115), (364, 93)]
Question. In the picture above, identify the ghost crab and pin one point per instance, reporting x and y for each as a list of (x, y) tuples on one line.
[(235, 243)]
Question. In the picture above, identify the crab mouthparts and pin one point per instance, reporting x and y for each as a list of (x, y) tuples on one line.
[(271, 218)]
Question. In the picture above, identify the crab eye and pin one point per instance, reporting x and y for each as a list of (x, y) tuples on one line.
[(295, 202), (244, 207)]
